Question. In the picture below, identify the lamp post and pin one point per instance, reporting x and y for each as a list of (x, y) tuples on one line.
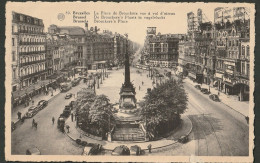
[(98, 82)]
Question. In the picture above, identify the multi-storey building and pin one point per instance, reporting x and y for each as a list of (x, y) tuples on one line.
[(162, 49), (93, 49), (29, 50), (217, 54)]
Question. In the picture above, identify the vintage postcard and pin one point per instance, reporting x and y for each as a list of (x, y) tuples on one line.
[(138, 82)]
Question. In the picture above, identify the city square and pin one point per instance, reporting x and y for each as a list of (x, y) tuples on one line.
[(85, 90)]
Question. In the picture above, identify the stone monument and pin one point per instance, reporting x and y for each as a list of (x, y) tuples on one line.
[(127, 92)]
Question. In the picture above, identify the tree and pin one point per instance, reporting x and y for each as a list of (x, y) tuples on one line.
[(162, 107), (101, 115)]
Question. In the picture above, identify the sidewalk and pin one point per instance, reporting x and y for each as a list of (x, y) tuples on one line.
[(240, 106), (184, 130), (36, 99)]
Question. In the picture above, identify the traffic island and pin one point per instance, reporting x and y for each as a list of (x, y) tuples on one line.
[(183, 131)]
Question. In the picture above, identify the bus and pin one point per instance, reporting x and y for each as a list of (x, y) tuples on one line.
[(65, 87)]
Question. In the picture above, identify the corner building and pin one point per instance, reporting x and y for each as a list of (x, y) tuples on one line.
[(28, 51)]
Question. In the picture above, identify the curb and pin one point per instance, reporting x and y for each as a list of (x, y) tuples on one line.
[(15, 123), (233, 109), (229, 106), (174, 142)]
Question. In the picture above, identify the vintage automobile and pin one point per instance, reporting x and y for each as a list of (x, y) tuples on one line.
[(31, 111), (66, 111), (121, 150), (33, 151), (92, 149), (183, 139), (135, 150), (75, 82), (197, 87), (214, 97), (205, 91), (42, 104), (65, 86), (61, 123), (68, 96)]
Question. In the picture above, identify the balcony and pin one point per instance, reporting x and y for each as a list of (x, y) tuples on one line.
[(34, 52), (32, 43), (30, 63), (32, 75), (31, 32)]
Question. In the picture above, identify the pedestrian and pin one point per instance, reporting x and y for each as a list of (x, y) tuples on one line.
[(19, 115), (218, 93), (33, 122), (53, 120), (36, 124), (150, 148), (68, 128), (139, 87), (71, 117), (142, 83), (247, 119)]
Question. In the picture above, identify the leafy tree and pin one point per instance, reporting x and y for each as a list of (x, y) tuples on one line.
[(94, 113), (162, 107), (101, 115)]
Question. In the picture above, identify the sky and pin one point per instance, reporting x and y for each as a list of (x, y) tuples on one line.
[(136, 29)]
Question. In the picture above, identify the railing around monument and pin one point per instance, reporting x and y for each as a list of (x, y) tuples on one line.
[(128, 137)]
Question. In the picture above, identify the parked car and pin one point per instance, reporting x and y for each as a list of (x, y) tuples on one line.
[(66, 111), (183, 139), (198, 87), (204, 91), (135, 150), (33, 151), (71, 104), (68, 96), (75, 82), (109, 68), (92, 149), (61, 123), (42, 104), (67, 107), (121, 150), (31, 111), (214, 97)]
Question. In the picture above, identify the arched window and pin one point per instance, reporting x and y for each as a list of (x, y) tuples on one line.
[(21, 72), (29, 72)]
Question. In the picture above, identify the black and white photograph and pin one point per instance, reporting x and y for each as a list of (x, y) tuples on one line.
[(150, 81)]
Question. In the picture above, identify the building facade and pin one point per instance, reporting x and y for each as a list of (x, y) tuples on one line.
[(162, 49), (217, 53), (28, 51)]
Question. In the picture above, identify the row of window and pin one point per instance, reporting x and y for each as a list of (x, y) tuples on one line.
[(32, 69), (32, 58), (31, 48), (33, 39)]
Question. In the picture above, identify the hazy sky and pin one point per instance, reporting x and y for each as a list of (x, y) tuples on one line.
[(136, 29)]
